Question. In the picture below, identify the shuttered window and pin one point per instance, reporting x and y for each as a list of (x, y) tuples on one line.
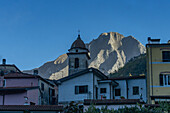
[(117, 92), (102, 90), (164, 80), (161, 79), (81, 89), (136, 90)]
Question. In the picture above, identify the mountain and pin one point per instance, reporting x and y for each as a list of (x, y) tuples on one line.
[(109, 52), (135, 66)]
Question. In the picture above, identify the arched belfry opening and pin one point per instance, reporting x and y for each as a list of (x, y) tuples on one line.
[(76, 64), (77, 56)]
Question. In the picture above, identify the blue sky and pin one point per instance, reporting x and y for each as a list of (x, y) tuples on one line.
[(33, 32)]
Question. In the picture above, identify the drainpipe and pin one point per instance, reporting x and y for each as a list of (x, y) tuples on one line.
[(151, 70), (127, 89)]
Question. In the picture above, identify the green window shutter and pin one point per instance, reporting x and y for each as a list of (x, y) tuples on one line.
[(76, 89)]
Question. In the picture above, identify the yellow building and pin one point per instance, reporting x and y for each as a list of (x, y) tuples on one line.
[(158, 71)]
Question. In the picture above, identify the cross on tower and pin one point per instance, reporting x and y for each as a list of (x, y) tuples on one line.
[(78, 32)]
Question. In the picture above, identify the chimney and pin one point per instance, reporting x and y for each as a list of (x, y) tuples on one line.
[(4, 61), (36, 72), (153, 41), (149, 39)]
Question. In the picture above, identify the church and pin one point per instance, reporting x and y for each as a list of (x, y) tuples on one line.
[(88, 83)]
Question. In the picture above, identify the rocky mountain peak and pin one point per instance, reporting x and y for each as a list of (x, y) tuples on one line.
[(108, 53)]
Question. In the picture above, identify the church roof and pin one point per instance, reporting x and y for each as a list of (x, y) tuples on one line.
[(89, 70), (78, 43)]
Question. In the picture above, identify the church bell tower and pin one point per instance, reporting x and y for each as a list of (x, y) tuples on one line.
[(78, 56)]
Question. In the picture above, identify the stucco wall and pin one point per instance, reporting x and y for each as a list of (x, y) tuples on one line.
[(15, 99), (18, 98), (123, 88), (96, 78), (82, 63), (141, 83), (157, 66), (67, 88), (21, 82), (107, 94), (45, 93), (33, 96)]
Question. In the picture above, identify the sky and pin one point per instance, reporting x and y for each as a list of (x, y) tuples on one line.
[(33, 32)]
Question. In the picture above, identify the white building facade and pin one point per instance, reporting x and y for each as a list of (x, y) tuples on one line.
[(89, 83), (132, 87), (83, 85)]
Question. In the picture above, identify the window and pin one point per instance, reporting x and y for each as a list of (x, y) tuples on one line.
[(117, 92), (42, 86), (102, 90), (76, 63), (136, 90), (31, 83), (81, 89), (166, 56), (164, 80), (4, 83), (53, 92)]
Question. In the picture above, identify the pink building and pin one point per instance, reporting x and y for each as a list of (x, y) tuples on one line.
[(17, 88)]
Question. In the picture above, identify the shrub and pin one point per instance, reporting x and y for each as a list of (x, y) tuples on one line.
[(72, 108), (164, 108)]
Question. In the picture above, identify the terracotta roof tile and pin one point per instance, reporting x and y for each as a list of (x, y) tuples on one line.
[(111, 101), (31, 107), (17, 74), (129, 77), (18, 87), (25, 75), (9, 65)]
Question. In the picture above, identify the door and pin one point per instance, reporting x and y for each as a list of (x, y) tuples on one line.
[(96, 93)]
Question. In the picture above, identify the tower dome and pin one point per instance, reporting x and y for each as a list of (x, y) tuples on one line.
[(78, 43)]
